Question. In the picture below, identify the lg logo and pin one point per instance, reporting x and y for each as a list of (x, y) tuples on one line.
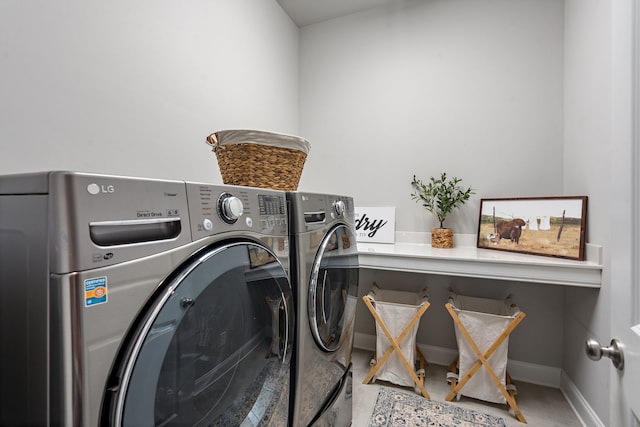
[(97, 189)]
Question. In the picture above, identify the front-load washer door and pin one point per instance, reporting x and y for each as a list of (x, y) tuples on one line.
[(333, 289), (213, 348)]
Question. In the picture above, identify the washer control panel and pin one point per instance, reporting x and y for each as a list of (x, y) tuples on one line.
[(220, 208)]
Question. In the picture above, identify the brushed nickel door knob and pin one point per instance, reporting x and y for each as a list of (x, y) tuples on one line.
[(614, 352)]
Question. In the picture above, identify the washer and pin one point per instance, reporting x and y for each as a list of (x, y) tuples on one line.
[(324, 271), (129, 301)]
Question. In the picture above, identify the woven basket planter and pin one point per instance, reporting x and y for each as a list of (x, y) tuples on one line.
[(442, 238)]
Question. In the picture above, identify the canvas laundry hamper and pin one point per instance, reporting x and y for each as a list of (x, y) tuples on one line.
[(397, 314), (259, 159), (482, 327)]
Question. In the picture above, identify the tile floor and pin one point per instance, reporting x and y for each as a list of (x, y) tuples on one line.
[(541, 406)]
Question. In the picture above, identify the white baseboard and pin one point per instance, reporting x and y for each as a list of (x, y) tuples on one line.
[(548, 376), (578, 403), (364, 341)]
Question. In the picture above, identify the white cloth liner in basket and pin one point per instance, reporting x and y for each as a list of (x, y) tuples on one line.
[(485, 320), (396, 309), (248, 136)]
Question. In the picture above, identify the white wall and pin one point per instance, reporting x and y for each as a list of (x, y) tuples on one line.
[(587, 170), (473, 88), (134, 87), (489, 91)]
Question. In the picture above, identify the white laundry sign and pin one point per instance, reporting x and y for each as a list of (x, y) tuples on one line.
[(375, 224)]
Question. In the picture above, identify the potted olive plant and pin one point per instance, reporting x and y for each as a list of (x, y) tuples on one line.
[(440, 196)]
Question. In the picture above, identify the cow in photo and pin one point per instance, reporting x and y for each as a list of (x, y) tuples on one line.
[(508, 230)]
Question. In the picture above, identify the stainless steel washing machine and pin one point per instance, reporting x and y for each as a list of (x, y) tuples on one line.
[(324, 272), (140, 302)]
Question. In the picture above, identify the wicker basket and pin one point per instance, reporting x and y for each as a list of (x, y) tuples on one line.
[(259, 159)]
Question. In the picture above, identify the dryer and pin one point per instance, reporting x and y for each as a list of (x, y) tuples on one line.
[(324, 271), (130, 302)]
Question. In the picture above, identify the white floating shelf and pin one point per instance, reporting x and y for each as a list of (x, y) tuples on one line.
[(469, 261)]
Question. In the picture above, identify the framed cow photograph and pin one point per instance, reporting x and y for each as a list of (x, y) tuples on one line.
[(549, 226)]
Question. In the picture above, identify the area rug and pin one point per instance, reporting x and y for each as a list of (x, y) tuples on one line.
[(395, 408)]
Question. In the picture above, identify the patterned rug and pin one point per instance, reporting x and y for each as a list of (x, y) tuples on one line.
[(395, 408)]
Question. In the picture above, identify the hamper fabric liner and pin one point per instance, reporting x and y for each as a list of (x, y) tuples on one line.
[(485, 320), (397, 309), (259, 159)]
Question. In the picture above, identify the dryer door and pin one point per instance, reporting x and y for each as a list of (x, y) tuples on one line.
[(333, 290), (213, 348)]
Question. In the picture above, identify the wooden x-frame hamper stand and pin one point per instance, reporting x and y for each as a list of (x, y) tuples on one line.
[(500, 318), (397, 315)]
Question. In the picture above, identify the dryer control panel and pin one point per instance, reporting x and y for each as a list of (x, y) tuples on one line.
[(311, 211)]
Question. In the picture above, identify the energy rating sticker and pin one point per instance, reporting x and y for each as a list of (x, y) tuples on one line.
[(95, 291)]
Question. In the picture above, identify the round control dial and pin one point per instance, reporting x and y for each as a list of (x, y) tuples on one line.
[(339, 207), (230, 208)]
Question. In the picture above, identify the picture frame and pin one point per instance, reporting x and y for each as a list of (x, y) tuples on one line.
[(547, 226)]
